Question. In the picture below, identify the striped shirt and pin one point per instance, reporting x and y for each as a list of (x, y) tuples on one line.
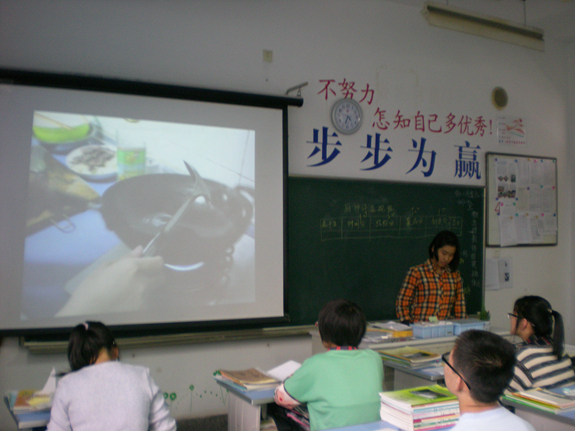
[(538, 367), (426, 293)]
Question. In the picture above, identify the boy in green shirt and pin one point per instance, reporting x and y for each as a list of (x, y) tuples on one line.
[(341, 386)]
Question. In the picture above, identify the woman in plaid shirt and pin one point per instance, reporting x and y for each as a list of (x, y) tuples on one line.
[(433, 288)]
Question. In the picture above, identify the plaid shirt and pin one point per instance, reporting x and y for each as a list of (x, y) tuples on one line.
[(426, 293)]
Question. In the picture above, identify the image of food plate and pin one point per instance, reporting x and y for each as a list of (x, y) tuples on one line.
[(93, 162), (60, 133)]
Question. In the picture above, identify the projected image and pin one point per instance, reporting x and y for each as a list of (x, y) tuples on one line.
[(128, 215)]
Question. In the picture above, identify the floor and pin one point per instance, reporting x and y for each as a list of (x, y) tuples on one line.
[(211, 423)]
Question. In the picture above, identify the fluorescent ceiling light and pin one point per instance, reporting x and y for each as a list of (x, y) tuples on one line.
[(482, 25)]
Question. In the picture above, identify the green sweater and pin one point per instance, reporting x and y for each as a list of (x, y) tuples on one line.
[(340, 387)]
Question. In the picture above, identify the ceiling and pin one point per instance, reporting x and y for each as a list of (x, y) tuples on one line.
[(555, 17)]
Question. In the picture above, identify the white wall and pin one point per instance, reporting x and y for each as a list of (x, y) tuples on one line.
[(409, 65)]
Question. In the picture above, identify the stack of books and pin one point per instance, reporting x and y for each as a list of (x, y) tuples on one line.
[(300, 415), (29, 408), (411, 357), (423, 408), (555, 400), (247, 380)]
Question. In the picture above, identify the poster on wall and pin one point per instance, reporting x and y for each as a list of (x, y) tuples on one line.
[(521, 200), (511, 130)]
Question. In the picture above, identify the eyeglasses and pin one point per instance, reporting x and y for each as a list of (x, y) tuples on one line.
[(444, 359), (510, 315)]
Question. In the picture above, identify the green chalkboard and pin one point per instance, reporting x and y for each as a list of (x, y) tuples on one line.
[(356, 239)]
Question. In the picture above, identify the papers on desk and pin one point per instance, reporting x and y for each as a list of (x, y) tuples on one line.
[(283, 371)]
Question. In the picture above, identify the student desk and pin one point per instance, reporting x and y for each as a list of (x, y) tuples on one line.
[(374, 426), (406, 377), (246, 408), (36, 421), (397, 377), (544, 421)]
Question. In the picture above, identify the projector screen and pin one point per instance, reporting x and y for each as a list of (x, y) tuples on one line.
[(139, 209)]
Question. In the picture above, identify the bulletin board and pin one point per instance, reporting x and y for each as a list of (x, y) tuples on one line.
[(521, 207)]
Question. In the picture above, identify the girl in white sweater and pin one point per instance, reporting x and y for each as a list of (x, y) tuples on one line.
[(102, 393)]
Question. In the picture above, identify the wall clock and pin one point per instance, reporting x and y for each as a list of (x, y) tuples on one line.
[(499, 97), (346, 116)]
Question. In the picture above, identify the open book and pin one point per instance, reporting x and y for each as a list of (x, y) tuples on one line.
[(256, 379)]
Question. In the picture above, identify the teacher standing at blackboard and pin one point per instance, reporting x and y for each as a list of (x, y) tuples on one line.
[(434, 288)]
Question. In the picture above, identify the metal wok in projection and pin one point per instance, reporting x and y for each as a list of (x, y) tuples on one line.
[(191, 222)]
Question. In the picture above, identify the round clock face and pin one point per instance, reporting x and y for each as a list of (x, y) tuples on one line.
[(346, 116)]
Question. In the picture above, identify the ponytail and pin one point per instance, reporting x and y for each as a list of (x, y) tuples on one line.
[(558, 334), (86, 341), (545, 321)]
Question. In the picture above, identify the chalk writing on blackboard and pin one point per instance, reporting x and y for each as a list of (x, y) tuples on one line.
[(369, 227), (357, 239)]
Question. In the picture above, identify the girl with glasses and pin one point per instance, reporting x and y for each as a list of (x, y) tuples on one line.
[(541, 362)]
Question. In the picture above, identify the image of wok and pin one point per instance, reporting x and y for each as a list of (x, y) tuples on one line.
[(137, 208)]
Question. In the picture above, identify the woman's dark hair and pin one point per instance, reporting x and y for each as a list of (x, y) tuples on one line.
[(445, 238), (487, 363), (86, 341), (342, 323), (545, 321)]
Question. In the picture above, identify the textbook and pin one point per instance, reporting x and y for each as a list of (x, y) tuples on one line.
[(554, 401), (28, 400), (410, 356), (437, 422), (412, 399), (562, 398), (424, 408), (419, 415), (250, 379), (256, 379), (31, 399), (299, 415), (532, 403)]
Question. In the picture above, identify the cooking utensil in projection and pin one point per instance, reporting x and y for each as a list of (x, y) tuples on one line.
[(139, 208)]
